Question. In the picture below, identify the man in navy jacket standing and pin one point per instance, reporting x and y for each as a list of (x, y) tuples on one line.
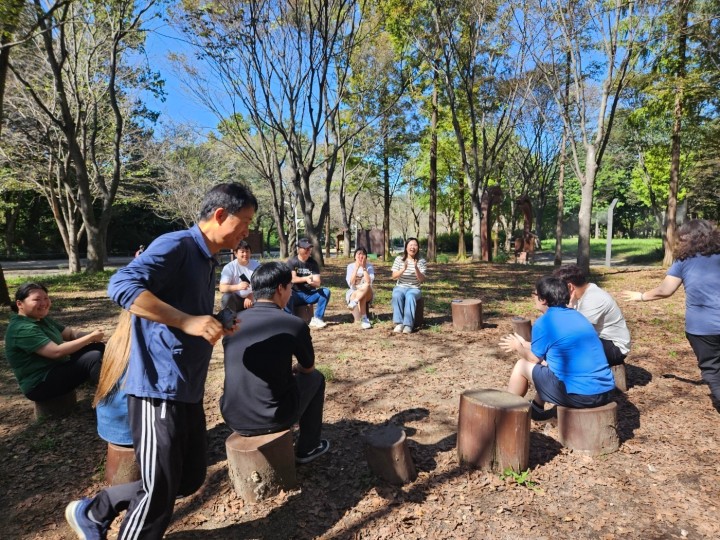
[(170, 290)]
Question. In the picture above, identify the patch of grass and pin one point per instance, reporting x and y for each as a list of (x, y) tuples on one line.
[(326, 371), (630, 250), (443, 258), (66, 282), (436, 328), (520, 478)]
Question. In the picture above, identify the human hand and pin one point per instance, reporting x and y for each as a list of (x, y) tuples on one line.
[(243, 285), (96, 336), (510, 343), (248, 303), (631, 296), (204, 326)]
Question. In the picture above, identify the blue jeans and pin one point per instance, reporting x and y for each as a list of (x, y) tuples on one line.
[(404, 300), (320, 297)]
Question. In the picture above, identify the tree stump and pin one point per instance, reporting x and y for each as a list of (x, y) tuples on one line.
[(388, 456), (419, 313), (305, 312), (60, 406), (467, 314), (620, 377), (591, 432), (494, 430), (121, 467), (522, 327), (261, 466)]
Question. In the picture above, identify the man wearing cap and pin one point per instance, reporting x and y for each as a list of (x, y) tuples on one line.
[(306, 284), (235, 279)]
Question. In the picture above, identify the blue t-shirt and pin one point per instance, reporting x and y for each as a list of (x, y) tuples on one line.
[(701, 278), (165, 362), (567, 341)]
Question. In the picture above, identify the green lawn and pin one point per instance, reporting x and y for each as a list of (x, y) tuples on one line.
[(631, 250)]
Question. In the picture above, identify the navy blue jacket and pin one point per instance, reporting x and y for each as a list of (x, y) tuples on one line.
[(165, 362)]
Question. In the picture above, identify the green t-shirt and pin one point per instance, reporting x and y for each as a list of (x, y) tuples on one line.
[(24, 336)]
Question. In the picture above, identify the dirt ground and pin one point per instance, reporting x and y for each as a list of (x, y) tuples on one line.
[(662, 483)]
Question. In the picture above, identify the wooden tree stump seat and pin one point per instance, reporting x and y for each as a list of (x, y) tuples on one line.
[(620, 377), (522, 327), (494, 430), (121, 466), (419, 313), (60, 406), (305, 312), (590, 432), (467, 314), (388, 455), (261, 466)]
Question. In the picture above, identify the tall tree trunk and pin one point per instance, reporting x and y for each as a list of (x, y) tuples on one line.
[(586, 204), (462, 252), (671, 212), (386, 196), (560, 203), (432, 218)]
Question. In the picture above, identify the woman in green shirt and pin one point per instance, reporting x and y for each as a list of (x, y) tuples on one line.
[(47, 358)]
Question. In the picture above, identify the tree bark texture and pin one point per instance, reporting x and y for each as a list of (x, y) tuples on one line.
[(388, 455), (262, 466), (467, 314), (591, 432), (494, 430)]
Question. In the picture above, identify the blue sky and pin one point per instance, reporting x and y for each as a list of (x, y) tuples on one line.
[(179, 105)]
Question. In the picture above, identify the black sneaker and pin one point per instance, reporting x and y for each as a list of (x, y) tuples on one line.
[(539, 414), (323, 447)]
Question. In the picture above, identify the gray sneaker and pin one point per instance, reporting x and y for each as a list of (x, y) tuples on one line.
[(317, 323), (407, 330), (398, 328)]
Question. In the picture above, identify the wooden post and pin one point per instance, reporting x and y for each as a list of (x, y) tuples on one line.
[(260, 467), (60, 406), (388, 456), (620, 377), (120, 465), (494, 430), (304, 311), (522, 327), (419, 313), (590, 432), (467, 314)]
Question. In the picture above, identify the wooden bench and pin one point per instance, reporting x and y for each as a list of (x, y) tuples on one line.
[(121, 467), (261, 466), (467, 314), (494, 430), (58, 407), (388, 456), (591, 432)]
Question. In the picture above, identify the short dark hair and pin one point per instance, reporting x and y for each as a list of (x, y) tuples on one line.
[(553, 290), (360, 249), (243, 245), (571, 273), (24, 291), (268, 277), (233, 197)]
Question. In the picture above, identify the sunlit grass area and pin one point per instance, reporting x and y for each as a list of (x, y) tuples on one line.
[(627, 250)]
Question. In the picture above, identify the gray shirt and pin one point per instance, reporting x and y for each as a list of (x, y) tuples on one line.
[(603, 312)]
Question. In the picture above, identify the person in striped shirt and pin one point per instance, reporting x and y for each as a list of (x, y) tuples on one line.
[(409, 270)]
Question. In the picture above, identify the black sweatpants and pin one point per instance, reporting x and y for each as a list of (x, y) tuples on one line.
[(707, 351), (84, 365), (170, 444)]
